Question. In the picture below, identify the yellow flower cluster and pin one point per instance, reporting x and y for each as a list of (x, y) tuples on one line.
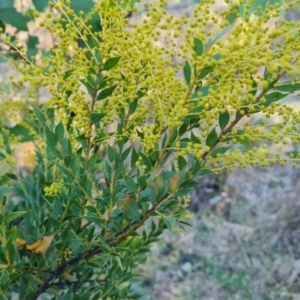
[(148, 90), (53, 189), (254, 157)]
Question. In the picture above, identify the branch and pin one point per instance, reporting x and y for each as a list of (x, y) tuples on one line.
[(112, 242), (75, 282)]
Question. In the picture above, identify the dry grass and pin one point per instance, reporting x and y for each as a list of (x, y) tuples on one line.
[(253, 255)]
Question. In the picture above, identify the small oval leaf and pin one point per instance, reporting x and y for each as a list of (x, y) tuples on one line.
[(187, 71), (198, 46), (13, 215), (110, 63), (106, 93), (211, 138), (39, 114), (224, 119)]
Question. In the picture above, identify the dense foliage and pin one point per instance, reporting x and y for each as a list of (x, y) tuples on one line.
[(135, 115)]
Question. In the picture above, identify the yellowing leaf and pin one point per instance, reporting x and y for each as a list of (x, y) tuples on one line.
[(123, 202), (19, 243), (129, 207), (3, 267), (67, 275), (42, 245), (174, 183), (158, 185)]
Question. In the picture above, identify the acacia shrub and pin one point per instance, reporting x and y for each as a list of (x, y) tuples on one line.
[(124, 138)]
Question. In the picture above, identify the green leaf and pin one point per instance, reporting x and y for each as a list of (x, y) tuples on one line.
[(211, 138), (231, 17), (254, 87), (50, 113), (146, 161), (4, 190), (182, 192), (187, 71), (50, 136), (85, 6), (12, 233), (204, 90), (89, 83), (29, 296), (111, 153), (194, 139), (130, 208), (39, 114), (110, 63), (40, 5), (69, 294), (224, 119), (95, 219), (59, 131), (130, 184), (168, 223), (11, 176), (106, 93), (125, 154), (273, 97), (198, 46), (181, 162), (205, 72), (54, 150), (142, 180), (49, 204), (11, 16), (288, 87), (196, 168), (255, 4), (2, 26), (6, 3), (204, 172), (220, 150), (266, 75), (74, 241), (4, 283), (167, 175), (220, 33), (134, 157), (154, 155), (121, 196), (145, 193), (31, 46), (194, 113), (182, 129), (22, 131), (93, 159), (65, 171), (119, 262), (96, 117), (13, 215)]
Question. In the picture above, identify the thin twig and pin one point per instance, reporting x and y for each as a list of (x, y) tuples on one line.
[(112, 242)]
